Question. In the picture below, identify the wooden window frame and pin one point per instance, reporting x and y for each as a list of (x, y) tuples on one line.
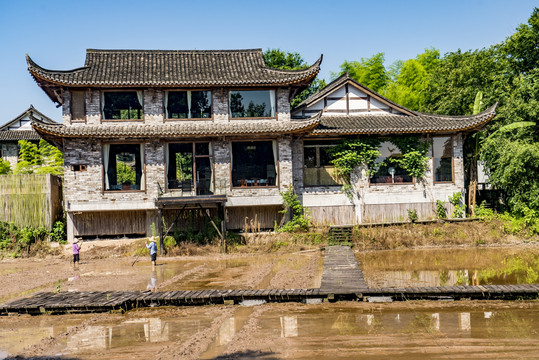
[(187, 119), (85, 117), (101, 113), (317, 160), (452, 137), (275, 117), (194, 163), (104, 191), (277, 166), (413, 182)]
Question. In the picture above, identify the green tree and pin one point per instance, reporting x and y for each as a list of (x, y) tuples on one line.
[(410, 80), (40, 159), (279, 59), (5, 167), (370, 72)]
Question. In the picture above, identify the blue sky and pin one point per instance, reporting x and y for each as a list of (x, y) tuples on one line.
[(57, 33)]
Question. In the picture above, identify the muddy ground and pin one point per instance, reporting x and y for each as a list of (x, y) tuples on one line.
[(463, 329)]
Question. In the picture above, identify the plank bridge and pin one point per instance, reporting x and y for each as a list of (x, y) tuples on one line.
[(342, 279)]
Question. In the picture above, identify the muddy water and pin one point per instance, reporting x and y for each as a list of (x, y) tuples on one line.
[(342, 330), (450, 267)]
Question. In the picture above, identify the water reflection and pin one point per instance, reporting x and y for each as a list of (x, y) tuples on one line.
[(450, 267), (309, 322)]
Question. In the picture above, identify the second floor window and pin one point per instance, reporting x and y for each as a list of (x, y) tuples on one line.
[(121, 105), (187, 104), (252, 103)]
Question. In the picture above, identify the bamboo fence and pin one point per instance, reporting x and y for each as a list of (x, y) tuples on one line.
[(30, 199)]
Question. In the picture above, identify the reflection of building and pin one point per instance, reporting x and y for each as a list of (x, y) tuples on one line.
[(214, 129), (90, 338), (227, 331), (289, 326)]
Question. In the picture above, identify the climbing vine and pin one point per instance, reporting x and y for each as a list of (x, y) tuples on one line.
[(351, 153)]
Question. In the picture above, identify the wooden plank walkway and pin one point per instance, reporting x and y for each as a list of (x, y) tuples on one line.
[(342, 273), (342, 279)]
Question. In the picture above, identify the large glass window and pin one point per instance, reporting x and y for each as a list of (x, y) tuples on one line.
[(189, 168), (121, 105), (124, 166), (318, 169), (252, 103), (253, 163), (442, 149), (187, 104), (389, 172)]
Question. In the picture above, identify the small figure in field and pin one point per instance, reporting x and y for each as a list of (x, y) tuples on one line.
[(153, 250), (76, 249)]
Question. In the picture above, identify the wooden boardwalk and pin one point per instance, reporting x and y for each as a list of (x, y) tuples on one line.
[(342, 279), (342, 273)]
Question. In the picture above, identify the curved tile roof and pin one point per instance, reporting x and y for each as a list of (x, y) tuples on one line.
[(398, 124), (179, 129), (173, 68), (16, 135)]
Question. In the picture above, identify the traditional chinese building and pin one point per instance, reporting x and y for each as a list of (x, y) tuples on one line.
[(147, 134)]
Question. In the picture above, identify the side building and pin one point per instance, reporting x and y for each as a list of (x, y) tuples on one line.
[(349, 110), (20, 128), (147, 134)]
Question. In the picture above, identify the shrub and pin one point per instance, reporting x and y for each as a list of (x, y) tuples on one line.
[(300, 219), (458, 208), (58, 233), (412, 215), (441, 212)]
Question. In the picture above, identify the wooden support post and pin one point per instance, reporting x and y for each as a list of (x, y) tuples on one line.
[(221, 211), (160, 227)]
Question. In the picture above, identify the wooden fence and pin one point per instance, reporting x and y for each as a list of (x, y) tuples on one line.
[(31, 199)]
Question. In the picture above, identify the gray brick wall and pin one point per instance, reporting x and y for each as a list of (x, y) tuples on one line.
[(283, 105), (153, 107)]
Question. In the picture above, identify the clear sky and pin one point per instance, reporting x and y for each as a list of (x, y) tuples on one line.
[(57, 33)]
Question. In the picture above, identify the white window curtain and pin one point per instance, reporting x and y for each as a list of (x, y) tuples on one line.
[(166, 104), (167, 155), (231, 159), (189, 104), (211, 167), (106, 152), (142, 175), (272, 102), (102, 104), (139, 97), (274, 146)]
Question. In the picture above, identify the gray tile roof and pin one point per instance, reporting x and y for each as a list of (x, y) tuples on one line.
[(385, 123), (178, 129), (16, 135), (174, 68)]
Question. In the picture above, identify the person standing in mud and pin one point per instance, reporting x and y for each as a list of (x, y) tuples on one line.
[(76, 250), (153, 251)]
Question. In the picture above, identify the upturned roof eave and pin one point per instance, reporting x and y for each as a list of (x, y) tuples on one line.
[(41, 74)]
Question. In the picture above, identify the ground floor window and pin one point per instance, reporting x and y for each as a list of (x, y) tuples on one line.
[(190, 168), (254, 163), (442, 150), (389, 171), (123, 167), (317, 167)]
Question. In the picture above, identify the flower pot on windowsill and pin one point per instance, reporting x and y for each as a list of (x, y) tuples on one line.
[(126, 186)]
